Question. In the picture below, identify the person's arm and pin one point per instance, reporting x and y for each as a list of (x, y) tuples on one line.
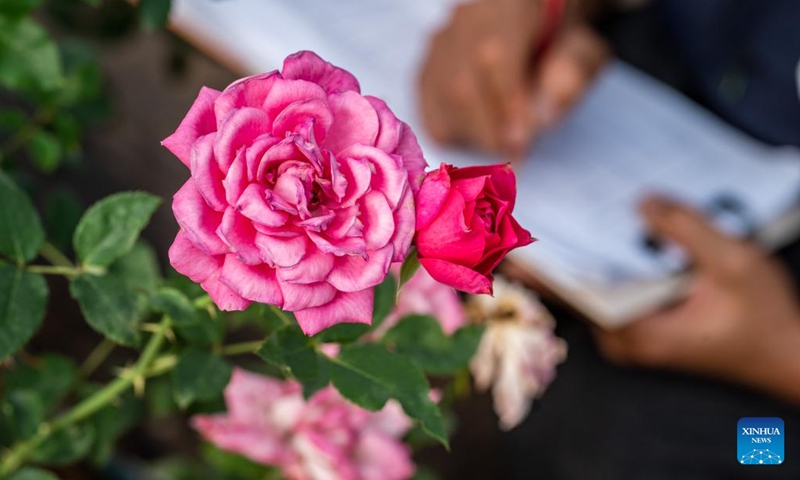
[(740, 321), (481, 85)]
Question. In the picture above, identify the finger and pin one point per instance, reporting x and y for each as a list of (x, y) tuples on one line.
[(708, 248)]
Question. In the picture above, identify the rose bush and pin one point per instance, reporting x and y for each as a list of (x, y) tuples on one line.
[(301, 193), (465, 225)]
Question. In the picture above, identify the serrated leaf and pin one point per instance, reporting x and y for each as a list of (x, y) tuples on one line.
[(138, 268), (199, 375), (408, 268), (109, 306), (52, 378), (369, 375), (29, 59), (110, 228), (154, 13), (420, 338), (31, 473), (342, 333), (21, 232), (197, 327), (65, 446), (289, 348), (44, 150), (23, 298)]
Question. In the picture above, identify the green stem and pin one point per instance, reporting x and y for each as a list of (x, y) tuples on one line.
[(54, 255), (21, 451), (280, 314), (55, 270), (241, 348), (97, 357)]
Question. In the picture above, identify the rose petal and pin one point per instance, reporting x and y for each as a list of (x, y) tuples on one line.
[(198, 122), (413, 160), (314, 267), (389, 177), (299, 296), (190, 261), (285, 92), (502, 181), (447, 236), (198, 220), (255, 153), (240, 235), (404, 222), (352, 273), (222, 295), (355, 122), (357, 176), (246, 92), (338, 246), (378, 220), (298, 116), (253, 205), (239, 130), (281, 251), (353, 307), (470, 188), (307, 65), (206, 174), (389, 126), (457, 276), (432, 195), (251, 441), (257, 283)]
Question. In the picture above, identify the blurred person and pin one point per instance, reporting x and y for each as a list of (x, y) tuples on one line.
[(490, 83)]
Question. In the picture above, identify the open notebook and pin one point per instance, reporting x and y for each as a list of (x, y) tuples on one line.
[(579, 189)]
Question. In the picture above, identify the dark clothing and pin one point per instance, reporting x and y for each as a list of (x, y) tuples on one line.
[(738, 58)]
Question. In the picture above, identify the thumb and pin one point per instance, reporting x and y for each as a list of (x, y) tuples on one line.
[(706, 246)]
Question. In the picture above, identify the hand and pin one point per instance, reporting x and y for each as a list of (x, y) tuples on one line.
[(740, 321), (479, 85)]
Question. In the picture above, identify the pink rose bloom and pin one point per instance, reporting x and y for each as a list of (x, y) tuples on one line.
[(301, 193), (269, 422), (422, 295), (464, 224)]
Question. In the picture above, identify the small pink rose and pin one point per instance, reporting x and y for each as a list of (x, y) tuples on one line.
[(465, 225), (301, 193)]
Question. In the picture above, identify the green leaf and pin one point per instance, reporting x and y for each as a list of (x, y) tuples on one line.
[(22, 234), (29, 59), (420, 338), (63, 210), (68, 131), (197, 327), (17, 8), (408, 268), (385, 300), (199, 375), (111, 422), (342, 333), (369, 375), (154, 13), (21, 412), (23, 297), (234, 465), (65, 446), (138, 268), (12, 119), (110, 227), (290, 349), (31, 473), (52, 379), (110, 307), (44, 149)]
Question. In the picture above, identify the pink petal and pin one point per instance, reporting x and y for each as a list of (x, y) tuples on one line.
[(338, 246), (378, 220), (246, 92), (239, 130), (314, 267), (256, 151), (190, 261), (206, 174), (307, 65), (431, 196), (285, 92), (357, 175), (252, 441), (389, 177), (298, 116), (253, 205), (299, 296), (503, 182), (236, 179), (226, 299), (382, 457), (404, 222), (471, 188), (240, 235), (352, 273), (353, 307), (355, 122), (249, 395), (413, 160), (256, 283), (449, 238), (459, 277), (199, 121), (198, 220), (389, 126), (281, 251)]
